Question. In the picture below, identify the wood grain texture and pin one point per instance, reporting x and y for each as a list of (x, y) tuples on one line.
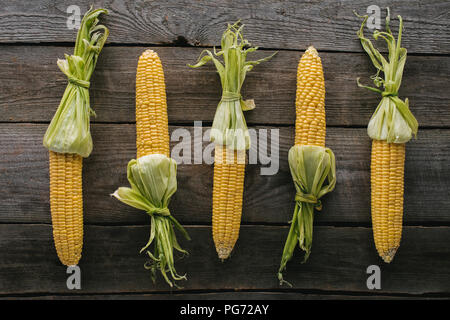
[(33, 34), (32, 86), (267, 199), (283, 24), (340, 256)]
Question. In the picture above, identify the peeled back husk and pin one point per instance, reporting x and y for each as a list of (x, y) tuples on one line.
[(387, 123), (69, 130), (310, 167), (229, 127), (313, 171), (392, 121), (153, 180)]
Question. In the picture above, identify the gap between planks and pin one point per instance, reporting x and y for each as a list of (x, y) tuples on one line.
[(159, 45)]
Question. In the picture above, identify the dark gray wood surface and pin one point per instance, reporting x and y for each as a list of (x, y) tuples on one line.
[(111, 262), (268, 199), (32, 86), (33, 35), (330, 24)]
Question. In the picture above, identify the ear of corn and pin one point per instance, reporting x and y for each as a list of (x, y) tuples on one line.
[(387, 166), (68, 139), (152, 129), (228, 189), (312, 165), (391, 126), (66, 204), (310, 101), (153, 175), (230, 135)]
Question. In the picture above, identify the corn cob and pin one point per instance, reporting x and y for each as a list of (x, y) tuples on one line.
[(391, 126), (230, 134), (68, 138), (312, 165), (152, 175), (66, 204), (152, 131), (387, 167), (310, 101), (228, 189)]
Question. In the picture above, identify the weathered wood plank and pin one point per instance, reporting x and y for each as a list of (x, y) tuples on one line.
[(272, 24), (340, 256), (267, 199), (32, 86)]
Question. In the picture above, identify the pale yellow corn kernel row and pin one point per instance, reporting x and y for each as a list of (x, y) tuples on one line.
[(387, 169), (66, 205), (310, 101), (228, 189), (152, 129)]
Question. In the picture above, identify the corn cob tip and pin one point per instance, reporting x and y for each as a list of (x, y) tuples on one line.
[(149, 53), (312, 51), (389, 255), (69, 262), (224, 253)]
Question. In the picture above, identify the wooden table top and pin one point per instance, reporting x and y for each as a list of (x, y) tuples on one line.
[(33, 35)]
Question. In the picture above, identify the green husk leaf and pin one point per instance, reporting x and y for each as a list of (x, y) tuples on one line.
[(392, 120), (153, 182), (248, 105), (229, 127), (69, 130), (313, 171)]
